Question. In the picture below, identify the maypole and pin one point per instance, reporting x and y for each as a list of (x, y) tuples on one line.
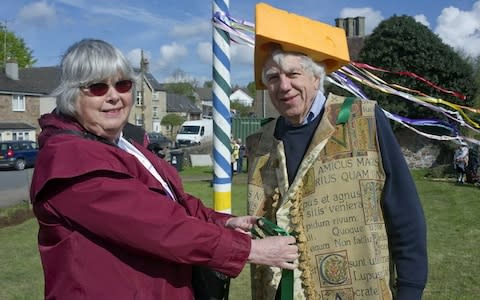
[(222, 178)]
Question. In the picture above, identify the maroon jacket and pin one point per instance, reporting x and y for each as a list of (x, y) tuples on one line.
[(108, 230)]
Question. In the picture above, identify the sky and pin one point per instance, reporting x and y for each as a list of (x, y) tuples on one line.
[(177, 34)]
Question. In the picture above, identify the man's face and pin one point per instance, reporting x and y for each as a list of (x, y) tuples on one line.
[(292, 90)]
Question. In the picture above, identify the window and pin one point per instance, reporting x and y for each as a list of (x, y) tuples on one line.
[(18, 103), (20, 136), (155, 112), (139, 100), (25, 146)]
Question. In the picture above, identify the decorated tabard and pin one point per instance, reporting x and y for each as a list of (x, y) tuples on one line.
[(333, 206)]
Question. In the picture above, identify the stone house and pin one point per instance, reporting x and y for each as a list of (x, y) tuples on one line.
[(23, 99)]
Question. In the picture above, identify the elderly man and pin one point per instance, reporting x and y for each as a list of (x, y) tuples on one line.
[(330, 171)]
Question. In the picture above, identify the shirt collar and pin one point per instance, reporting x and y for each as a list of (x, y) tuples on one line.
[(316, 108)]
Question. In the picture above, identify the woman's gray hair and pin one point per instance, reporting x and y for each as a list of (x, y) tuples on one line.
[(86, 62), (317, 69)]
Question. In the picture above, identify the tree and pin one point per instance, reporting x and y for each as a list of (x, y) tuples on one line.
[(16, 50), (172, 121), (240, 109), (475, 62), (182, 85), (402, 44), (252, 90)]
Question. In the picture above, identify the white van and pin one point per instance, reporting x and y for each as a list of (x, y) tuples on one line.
[(195, 132)]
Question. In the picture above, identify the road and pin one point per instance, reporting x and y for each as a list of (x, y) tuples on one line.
[(14, 186)]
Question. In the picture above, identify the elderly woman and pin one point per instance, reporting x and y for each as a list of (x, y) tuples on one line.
[(114, 220)]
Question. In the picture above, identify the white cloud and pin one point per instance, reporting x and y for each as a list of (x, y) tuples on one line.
[(422, 19), (241, 54), (204, 52), (135, 55), (38, 14), (460, 29), (179, 76), (170, 54), (372, 17), (130, 13), (192, 30)]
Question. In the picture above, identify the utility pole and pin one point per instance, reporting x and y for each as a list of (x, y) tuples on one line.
[(4, 27), (142, 76)]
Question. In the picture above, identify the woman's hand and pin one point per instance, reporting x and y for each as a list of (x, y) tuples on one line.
[(243, 224)]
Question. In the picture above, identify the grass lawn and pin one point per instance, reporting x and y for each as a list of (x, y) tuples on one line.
[(453, 239)]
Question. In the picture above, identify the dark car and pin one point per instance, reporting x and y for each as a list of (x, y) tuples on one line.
[(18, 154), (160, 140), (158, 143)]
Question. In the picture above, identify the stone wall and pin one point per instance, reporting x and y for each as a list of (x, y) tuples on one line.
[(205, 148), (419, 151), (422, 152)]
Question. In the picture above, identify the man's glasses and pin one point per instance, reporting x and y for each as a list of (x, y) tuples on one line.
[(101, 88)]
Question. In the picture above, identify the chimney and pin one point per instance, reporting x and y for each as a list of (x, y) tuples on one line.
[(11, 70), (354, 27)]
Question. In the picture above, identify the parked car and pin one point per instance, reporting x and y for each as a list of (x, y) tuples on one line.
[(158, 144), (160, 140), (18, 154)]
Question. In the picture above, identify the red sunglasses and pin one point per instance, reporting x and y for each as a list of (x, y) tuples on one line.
[(101, 88)]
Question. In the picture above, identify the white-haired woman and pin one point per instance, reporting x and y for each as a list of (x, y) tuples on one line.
[(114, 220)]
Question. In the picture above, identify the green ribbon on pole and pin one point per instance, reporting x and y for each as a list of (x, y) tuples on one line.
[(271, 229), (345, 110)]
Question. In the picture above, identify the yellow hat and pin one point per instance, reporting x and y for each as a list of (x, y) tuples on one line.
[(322, 42)]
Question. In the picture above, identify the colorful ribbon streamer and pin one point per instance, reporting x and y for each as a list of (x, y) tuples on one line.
[(243, 32)]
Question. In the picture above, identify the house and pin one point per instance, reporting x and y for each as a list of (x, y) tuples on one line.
[(150, 103), (242, 97), (206, 98), (24, 97), (183, 106), (355, 31)]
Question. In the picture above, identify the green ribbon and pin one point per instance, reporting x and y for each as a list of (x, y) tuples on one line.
[(345, 110), (271, 229)]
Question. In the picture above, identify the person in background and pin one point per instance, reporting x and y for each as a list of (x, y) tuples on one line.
[(114, 220), (330, 171), (241, 155), (460, 162), (234, 155), (472, 168)]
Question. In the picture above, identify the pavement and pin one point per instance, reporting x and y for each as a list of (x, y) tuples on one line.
[(14, 196)]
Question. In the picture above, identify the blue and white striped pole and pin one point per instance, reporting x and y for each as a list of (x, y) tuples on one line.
[(222, 179)]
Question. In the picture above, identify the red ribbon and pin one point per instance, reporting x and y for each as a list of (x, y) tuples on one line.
[(413, 75)]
